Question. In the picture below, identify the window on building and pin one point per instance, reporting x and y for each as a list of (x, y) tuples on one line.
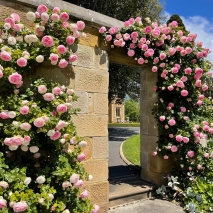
[(118, 111)]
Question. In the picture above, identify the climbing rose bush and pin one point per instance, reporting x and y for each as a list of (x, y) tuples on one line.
[(40, 152), (183, 112)]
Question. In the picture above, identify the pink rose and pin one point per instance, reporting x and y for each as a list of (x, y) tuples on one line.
[(84, 194), (25, 126), (4, 184), (206, 155), (4, 115), (174, 148), (24, 110), (48, 97), (5, 56), (108, 38), (170, 88), (74, 178), (66, 184), (62, 63), (183, 109), (60, 125), (131, 53), (185, 139), (188, 71), (61, 49), (162, 118), (44, 17), (3, 203), (70, 91), (72, 58), (53, 58), (34, 149), (62, 108), (42, 89), (179, 138), (47, 41), (96, 208), (15, 78), (165, 157), (81, 157), (184, 93), (42, 8), (39, 122), (102, 30), (171, 122), (55, 17), (190, 153), (140, 61), (56, 91), (162, 56), (154, 69), (79, 183), (56, 136), (56, 10), (199, 166), (80, 25), (154, 153), (70, 40), (40, 179), (64, 16)]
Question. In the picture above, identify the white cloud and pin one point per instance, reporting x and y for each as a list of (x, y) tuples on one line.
[(203, 28)]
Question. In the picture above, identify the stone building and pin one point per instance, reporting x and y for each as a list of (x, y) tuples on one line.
[(116, 112)]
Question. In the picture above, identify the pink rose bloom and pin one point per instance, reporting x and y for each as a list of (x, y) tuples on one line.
[(84, 194), (4, 115), (183, 109), (201, 97), (24, 110), (48, 97), (190, 153), (108, 38), (25, 126), (10, 21), (61, 49), (179, 138), (172, 51), (171, 135), (148, 29), (74, 178), (140, 61), (79, 183), (174, 70), (60, 125), (96, 208), (73, 58), (80, 25), (15, 17), (62, 108), (198, 83), (144, 47), (55, 17), (162, 118), (180, 84), (53, 58), (3, 203), (1, 74), (42, 89), (131, 53), (174, 148), (64, 16), (56, 91), (162, 56), (156, 60), (47, 41), (62, 63), (154, 69), (40, 179), (102, 30), (34, 149), (199, 102), (44, 17), (66, 184), (185, 139), (204, 87), (56, 10), (171, 122), (56, 136), (165, 157), (70, 40), (70, 91), (27, 139), (39, 122), (170, 88), (81, 157), (5, 56), (184, 93), (22, 62), (4, 184), (42, 8), (173, 24), (37, 155), (206, 155), (154, 153), (199, 166)]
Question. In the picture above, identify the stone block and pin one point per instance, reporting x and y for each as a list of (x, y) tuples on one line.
[(91, 80), (144, 120), (85, 56), (98, 169), (146, 106), (147, 91), (100, 60), (91, 103), (148, 143), (144, 160), (100, 147), (100, 103), (88, 149), (148, 76), (153, 128), (82, 102), (91, 125)]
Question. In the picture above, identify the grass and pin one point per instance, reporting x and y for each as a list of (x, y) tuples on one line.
[(131, 149), (124, 125)]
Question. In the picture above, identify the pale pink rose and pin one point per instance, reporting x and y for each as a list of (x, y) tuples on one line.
[(170, 88), (20, 206), (131, 53), (74, 178), (81, 157), (53, 58), (25, 126), (15, 17), (199, 102), (5, 56), (39, 122), (64, 16), (171, 122), (27, 139), (3, 203), (80, 25), (172, 51), (10, 21), (60, 125), (56, 91), (184, 93), (154, 153), (34, 149), (55, 17), (44, 17), (62, 108), (96, 208), (185, 139), (49, 97), (1, 74), (171, 135), (4, 184), (56, 10), (199, 166), (42, 89), (165, 157), (206, 155), (84, 194), (66, 184), (162, 118), (102, 30), (72, 58), (79, 183), (56, 136), (37, 14), (73, 140), (174, 70), (24, 110), (190, 153), (40, 179), (179, 138), (204, 87), (70, 40), (70, 91), (27, 180), (174, 148), (61, 49), (42, 8), (108, 38), (47, 41), (4, 115), (62, 63)]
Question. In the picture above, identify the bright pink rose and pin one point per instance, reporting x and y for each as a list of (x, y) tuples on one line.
[(4, 115), (183, 109), (42, 89), (102, 30), (48, 97), (53, 58), (62, 63), (184, 93), (56, 136), (171, 122), (70, 40), (56, 91), (170, 88), (162, 56), (39, 122), (162, 118), (96, 208), (148, 29), (131, 53), (10, 21), (62, 108), (22, 62), (179, 138), (24, 110), (84, 194), (80, 25), (174, 148), (5, 56), (42, 8), (47, 41), (81, 157), (154, 69), (140, 61), (73, 58), (61, 49), (3, 203), (185, 139), (190, 153), (108, 38), (64, 16)]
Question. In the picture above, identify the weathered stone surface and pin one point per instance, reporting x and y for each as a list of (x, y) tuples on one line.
[(146, 106), (147, 91), (144, 121), (100, 147), (144, 159), (82, 102), (88, 149), (91, 125), (98, 169), (91, 80), (85, 56), (101, 103), (101, 61), (91, 103), (152, 129), (148, 143), (147, 75)]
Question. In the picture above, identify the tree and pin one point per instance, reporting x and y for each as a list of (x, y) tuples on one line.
[(124, 80), (132, 110)]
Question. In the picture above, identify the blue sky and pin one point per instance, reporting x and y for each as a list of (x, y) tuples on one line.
[(197, 16)]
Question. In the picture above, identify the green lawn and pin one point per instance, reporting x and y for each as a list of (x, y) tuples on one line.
[(131, 149), (124, 125)]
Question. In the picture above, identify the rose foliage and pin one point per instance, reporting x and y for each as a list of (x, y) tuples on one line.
[(40, 152), (182, 112)]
